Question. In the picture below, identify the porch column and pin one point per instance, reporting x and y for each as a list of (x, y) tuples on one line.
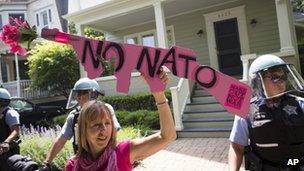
[(285, 23), (17, 75), (80, 32), (160, 24)]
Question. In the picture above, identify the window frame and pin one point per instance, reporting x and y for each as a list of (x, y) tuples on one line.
[(39, 17), (140, 35), (21, 14)]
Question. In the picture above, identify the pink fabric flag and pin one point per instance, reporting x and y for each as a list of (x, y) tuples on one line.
[(229, 92)]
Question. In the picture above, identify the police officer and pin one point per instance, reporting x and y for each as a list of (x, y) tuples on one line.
[(9, 129), (83, 91), (272, 136)]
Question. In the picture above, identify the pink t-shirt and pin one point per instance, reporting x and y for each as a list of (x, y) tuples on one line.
[(123, 158)]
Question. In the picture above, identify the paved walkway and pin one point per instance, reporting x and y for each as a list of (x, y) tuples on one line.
[(190, 154)]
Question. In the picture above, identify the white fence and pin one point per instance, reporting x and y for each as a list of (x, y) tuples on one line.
[(24, 90)]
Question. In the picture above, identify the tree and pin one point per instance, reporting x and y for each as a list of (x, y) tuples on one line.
[(298, 5), (53, 67), (88, 32)]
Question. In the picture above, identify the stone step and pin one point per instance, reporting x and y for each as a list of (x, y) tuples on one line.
[(200, 93), (206, 99), (208, 122), (213, 106), (202, 114), (204, 133)]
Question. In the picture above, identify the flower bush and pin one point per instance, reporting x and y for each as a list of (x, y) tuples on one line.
[(17, 33)]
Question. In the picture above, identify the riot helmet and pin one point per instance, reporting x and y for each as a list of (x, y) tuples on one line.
[(271, 77), (5, 97), (96, 91), (83, 86)]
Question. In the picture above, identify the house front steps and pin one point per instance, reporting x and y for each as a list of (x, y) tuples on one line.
[(205, 117)]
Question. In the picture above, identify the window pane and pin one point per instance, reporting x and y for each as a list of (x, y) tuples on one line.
[(132, 40), (37, 19), (50, 15), (148, 40), (44, 18)]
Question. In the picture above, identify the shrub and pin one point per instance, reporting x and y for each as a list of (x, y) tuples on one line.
[(37, 142), (60, 120), (53, 67), (141, 119), (141, 101)]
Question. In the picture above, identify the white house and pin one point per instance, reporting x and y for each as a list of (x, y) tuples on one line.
[(42, 13), (226, 35)]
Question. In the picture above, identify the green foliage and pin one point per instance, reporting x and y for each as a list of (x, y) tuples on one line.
[(141, 101), (37, 144), (60, 120), (298, 5), (88, 32), (93, 34), (140, 119), (72, 28), (128, 133), (53, 67)]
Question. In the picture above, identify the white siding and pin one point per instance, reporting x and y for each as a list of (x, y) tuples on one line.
[(5, 10), (263, 38), (38, 6)]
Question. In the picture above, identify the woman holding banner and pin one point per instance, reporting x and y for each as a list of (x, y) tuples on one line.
[(97, 145)]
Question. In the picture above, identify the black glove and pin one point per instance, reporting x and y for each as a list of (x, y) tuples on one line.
[(4, 147), (45, 167)]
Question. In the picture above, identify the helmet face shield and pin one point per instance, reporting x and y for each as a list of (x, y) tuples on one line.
[(276, 81), (78, 97)]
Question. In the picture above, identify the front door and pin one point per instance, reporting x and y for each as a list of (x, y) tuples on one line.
[(228, 47)]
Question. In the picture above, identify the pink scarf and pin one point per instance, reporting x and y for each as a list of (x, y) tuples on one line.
[(106, 162)]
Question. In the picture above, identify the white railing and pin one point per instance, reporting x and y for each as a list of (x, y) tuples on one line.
[(180, 95), (24, 90)]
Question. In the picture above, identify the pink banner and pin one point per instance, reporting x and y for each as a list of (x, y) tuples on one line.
[(228, 91)]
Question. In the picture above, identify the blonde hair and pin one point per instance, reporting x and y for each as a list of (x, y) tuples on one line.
[(90, 111)]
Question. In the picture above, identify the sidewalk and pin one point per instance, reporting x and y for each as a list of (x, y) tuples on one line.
[(190, 154)]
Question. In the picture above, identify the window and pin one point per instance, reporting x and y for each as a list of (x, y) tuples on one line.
[(132, 40), (149, 38), (44, 18), (50, 15), (17, 16)]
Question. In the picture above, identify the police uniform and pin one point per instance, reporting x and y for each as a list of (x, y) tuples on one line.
[(276, 133), (8, 117)]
